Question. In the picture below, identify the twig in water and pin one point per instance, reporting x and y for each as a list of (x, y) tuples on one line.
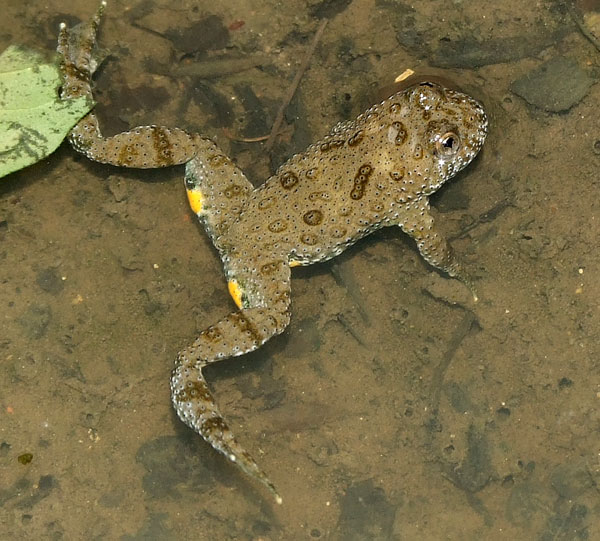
[(231, 136), (292, 89)]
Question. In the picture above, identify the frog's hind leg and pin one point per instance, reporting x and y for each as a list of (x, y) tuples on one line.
[(142, 147), (216, 188), (264, 314)]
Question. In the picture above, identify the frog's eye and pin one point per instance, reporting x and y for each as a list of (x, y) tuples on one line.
[(448, 144)]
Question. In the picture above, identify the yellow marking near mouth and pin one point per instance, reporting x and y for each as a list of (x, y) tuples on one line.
[(294, 263), (195, 199), (236, 292)]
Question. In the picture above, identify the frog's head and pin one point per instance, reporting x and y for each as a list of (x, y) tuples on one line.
[(443, 131)]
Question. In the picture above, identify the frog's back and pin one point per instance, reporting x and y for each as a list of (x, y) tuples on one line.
[(365, 174)]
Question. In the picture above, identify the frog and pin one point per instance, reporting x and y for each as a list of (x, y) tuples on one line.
[(375, 171)]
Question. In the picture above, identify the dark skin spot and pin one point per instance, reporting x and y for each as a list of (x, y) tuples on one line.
[(313, 217), (194, 391), (398, 174), (360, 181), (309, 240), (401, 134), (311, 174), (288, 180)]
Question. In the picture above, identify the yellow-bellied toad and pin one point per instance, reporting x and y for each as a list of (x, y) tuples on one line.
[(375, 171)]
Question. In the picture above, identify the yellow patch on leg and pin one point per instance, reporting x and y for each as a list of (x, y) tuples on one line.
[(196, 199), (236, 292)]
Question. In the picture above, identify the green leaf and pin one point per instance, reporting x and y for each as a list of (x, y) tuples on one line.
[(33, 119)]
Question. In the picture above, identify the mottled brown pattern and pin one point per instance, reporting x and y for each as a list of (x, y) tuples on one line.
[(194, 390), (218, 160), (162, 147), (215, 425), (246, 327), (233, 190), (212, 334)]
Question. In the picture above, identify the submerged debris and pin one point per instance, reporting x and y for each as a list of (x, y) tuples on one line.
[(555, 86)]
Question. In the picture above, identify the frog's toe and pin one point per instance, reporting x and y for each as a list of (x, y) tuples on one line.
[(468, 281)]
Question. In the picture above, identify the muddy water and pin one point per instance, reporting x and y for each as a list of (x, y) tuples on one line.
[(393, 407)]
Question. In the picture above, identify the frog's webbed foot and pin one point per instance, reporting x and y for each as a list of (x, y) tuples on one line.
[(76, 48), (432, 245), (142, 147), (236, 334)]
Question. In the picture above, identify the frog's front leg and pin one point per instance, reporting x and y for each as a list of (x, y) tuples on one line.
[(142, 147), (264, 313), (418, 223)]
